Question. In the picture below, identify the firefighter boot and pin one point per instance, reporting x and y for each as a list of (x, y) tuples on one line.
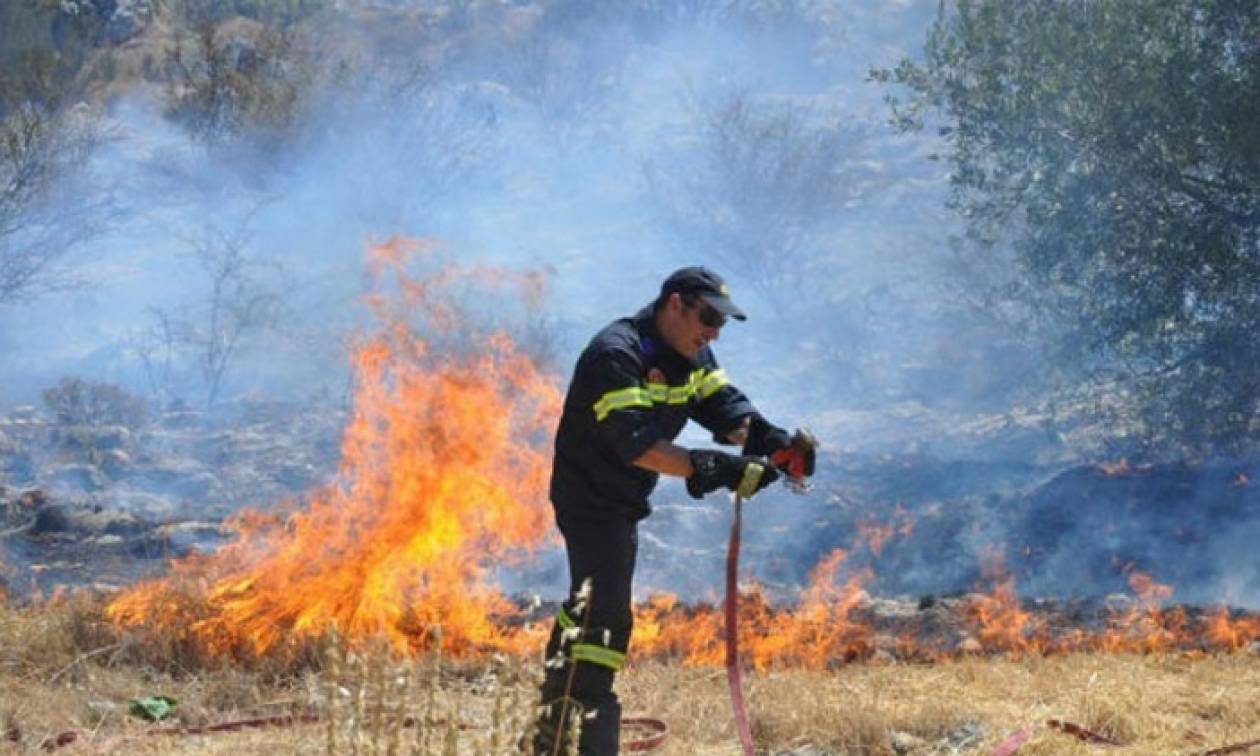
[(599, 731), (584, 700)]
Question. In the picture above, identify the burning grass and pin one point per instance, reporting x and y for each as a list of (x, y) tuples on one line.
[(63, 668), (443, 479), (371, 609)]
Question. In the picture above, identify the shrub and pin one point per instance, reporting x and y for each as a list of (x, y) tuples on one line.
[(75, 401)]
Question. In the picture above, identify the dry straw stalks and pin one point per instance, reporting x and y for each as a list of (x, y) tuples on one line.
[(378, 704), (62, 667), (571, 715)]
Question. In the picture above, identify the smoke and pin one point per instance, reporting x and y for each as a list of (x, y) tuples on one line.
[(525, 141), (591, 143)]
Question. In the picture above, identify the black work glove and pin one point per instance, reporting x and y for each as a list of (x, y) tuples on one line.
[(764, 437), (793, 455), (716, 469)]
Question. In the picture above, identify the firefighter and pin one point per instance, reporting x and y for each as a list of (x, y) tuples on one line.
[(635, 386)]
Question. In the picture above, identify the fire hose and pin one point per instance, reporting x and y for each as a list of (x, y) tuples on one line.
[(1015, 740), (803, 442), (656, 730), (732, 625)]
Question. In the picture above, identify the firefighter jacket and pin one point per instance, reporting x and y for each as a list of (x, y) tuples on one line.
[(630, 390)]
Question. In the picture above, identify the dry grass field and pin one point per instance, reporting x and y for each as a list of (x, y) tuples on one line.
[(62, 669)]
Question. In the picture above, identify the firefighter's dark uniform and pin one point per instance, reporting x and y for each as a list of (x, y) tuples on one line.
[(629, 391)]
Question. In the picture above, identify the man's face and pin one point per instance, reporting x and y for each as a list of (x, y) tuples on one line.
[(690, 323)]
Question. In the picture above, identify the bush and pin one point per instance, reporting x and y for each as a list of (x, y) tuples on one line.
[(283, 12), (78, 402), (232, 78)]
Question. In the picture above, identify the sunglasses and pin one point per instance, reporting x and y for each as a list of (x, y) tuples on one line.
[(708, 315)]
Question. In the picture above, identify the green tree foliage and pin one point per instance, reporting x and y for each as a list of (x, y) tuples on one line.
[(1113, 148)]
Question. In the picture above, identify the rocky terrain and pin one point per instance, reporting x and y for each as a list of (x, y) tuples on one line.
[(104, 504), (92, 495)]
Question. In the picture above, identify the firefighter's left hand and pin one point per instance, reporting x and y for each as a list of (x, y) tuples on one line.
[(796, 460), (792, 454)]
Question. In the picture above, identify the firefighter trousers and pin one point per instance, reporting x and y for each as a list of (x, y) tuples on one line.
[(588, 642)]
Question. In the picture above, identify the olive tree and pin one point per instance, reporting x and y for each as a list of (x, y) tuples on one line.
[(1111, 153)]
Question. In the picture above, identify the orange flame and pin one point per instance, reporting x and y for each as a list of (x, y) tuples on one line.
[(1223, 632), (442, 478), (818, 632), (1146, 626), (999, 620), (877, 534), (438, 481), (1002, 624)]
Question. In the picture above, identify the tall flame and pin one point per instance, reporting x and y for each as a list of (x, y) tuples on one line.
[(441, 477)]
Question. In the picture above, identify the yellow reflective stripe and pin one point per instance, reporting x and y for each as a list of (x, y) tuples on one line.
[(589, 652), (700, 383), (564, 620), (715, 380), (663, 394), (621, 399), (658, 392)]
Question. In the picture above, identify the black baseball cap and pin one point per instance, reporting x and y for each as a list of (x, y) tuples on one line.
[(706, 283)]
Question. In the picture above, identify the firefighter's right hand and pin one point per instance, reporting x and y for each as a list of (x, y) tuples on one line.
[(714, 469)]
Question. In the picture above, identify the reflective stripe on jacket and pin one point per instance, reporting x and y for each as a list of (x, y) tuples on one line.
[(630, 390)]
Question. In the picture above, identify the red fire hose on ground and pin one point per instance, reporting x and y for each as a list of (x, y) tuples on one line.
[(655, 731)]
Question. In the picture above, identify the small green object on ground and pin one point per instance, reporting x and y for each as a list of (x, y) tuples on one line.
[(153, 708)]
